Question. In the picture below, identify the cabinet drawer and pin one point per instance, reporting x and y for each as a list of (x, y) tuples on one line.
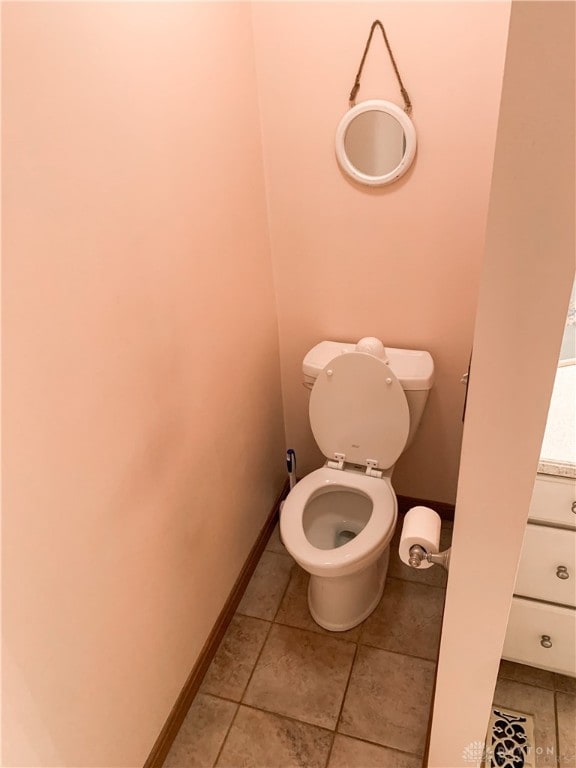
[(529, 623), (547, 568), (554, 500)]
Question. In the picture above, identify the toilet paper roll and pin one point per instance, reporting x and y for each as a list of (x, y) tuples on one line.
[(421, 526)]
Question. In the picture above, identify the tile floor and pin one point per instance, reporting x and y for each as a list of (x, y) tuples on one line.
[(551, 699), (283, 692)]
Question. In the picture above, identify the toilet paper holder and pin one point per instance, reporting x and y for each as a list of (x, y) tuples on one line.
[(417, 554)]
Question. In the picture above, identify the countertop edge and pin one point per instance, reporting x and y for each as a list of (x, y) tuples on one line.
[(558, 468)]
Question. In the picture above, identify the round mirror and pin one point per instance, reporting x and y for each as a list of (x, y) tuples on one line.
[(375, 142)]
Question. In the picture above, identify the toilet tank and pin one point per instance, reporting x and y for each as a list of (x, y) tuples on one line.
[(413, 368)]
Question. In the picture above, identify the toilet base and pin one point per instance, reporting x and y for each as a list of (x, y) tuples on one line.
[(340, 603)]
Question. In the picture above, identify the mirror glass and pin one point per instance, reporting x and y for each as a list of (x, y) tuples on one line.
[(375, 142)]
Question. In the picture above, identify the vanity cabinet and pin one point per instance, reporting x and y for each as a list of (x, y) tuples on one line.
[(547, 568), (542, 624), (553, 501)]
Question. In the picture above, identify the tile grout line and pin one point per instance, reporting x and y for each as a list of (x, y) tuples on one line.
[(362, 624), (332, 636), (397, 653), (239, 702), (256, 662), (314, 633), (416, 581), (329, 755), (556, 729), (271, 623), (571, 692), (530, 685), (225, 739), (377, 744), (313, 725), (524, 682), (277, 714), (273, 619), (413, 581), (285, 590)]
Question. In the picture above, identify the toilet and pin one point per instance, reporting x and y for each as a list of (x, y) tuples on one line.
[(366, 403)]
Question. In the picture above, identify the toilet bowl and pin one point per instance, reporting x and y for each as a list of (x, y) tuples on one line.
[(338, 521), (338, 526)]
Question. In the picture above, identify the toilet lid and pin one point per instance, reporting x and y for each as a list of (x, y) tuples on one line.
[(358, 408)]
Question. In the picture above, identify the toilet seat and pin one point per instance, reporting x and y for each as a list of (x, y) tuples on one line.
[(358, 411), (345, 559)]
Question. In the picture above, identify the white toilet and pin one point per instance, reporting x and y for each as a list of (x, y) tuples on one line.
[(337, 522)]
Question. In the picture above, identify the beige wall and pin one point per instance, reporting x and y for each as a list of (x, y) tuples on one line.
[(401, 262), (526, 281), (143, 437)]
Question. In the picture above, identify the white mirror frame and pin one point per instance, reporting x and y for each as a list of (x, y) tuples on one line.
[(409, 132)]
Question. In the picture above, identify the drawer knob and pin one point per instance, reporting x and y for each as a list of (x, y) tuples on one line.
[(545, 641), (562, 572)]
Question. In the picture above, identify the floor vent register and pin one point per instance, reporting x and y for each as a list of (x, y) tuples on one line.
[(510, 740)]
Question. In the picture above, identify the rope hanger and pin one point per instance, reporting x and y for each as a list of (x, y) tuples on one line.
[(356, 86)]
